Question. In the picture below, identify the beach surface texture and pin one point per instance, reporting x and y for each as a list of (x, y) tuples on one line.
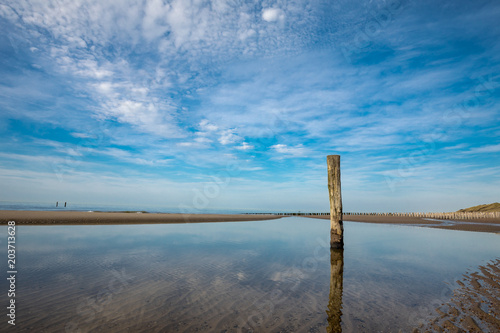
[(475, 305)]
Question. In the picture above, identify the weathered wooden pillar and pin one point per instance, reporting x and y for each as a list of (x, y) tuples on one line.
[(336, 225)]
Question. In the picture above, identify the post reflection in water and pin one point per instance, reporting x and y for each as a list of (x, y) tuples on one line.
[(334, 311)]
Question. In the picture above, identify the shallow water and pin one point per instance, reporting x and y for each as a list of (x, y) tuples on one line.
[(238, 277)]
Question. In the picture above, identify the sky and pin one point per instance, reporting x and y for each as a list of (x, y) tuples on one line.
[(196, 105)]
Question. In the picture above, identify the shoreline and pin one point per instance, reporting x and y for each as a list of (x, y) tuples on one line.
[(31, 217)]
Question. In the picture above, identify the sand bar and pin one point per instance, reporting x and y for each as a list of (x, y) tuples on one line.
[(478, 225), (79, 217)]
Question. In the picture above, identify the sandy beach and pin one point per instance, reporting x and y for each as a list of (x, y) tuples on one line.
[(477, 225), (78, 217)]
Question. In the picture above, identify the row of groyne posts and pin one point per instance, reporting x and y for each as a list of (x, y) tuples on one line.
[(444, 216)]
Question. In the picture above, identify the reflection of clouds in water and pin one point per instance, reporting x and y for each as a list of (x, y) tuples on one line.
[(145, 239), (54, 261), (276, 277), (219, 282), (183, 280), (249, 253), (110, 260), (77, 237), (65, 277)]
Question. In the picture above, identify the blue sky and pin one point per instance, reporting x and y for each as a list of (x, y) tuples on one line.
[(234, 104)]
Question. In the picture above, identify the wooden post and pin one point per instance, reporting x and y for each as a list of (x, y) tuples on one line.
[(336, 227)]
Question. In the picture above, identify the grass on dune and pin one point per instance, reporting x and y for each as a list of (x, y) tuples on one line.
[(493, 207)]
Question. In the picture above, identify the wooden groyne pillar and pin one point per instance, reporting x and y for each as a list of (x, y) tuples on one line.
[(336, 226)]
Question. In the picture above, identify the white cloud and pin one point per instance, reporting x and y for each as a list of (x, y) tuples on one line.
[(105, 88), (202, 139), (145, 116), (208, 127), (186, 144), (484, 149), (251, 168), (81, 135), (154, 23), (90, 69), (272, 14), (127, 156), (295, 151), (244, 146), (66, 164), (245, 34), (228, 137), (459, 146), (8, 13)]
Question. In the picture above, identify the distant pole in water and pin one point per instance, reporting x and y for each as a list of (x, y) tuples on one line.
[(57, 203), (336, 225)]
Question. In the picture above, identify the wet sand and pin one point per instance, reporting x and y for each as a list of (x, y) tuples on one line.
[(478, 225), (475, 306), (78, 217)]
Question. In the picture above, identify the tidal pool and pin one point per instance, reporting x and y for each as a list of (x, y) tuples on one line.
[(263, 276)]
